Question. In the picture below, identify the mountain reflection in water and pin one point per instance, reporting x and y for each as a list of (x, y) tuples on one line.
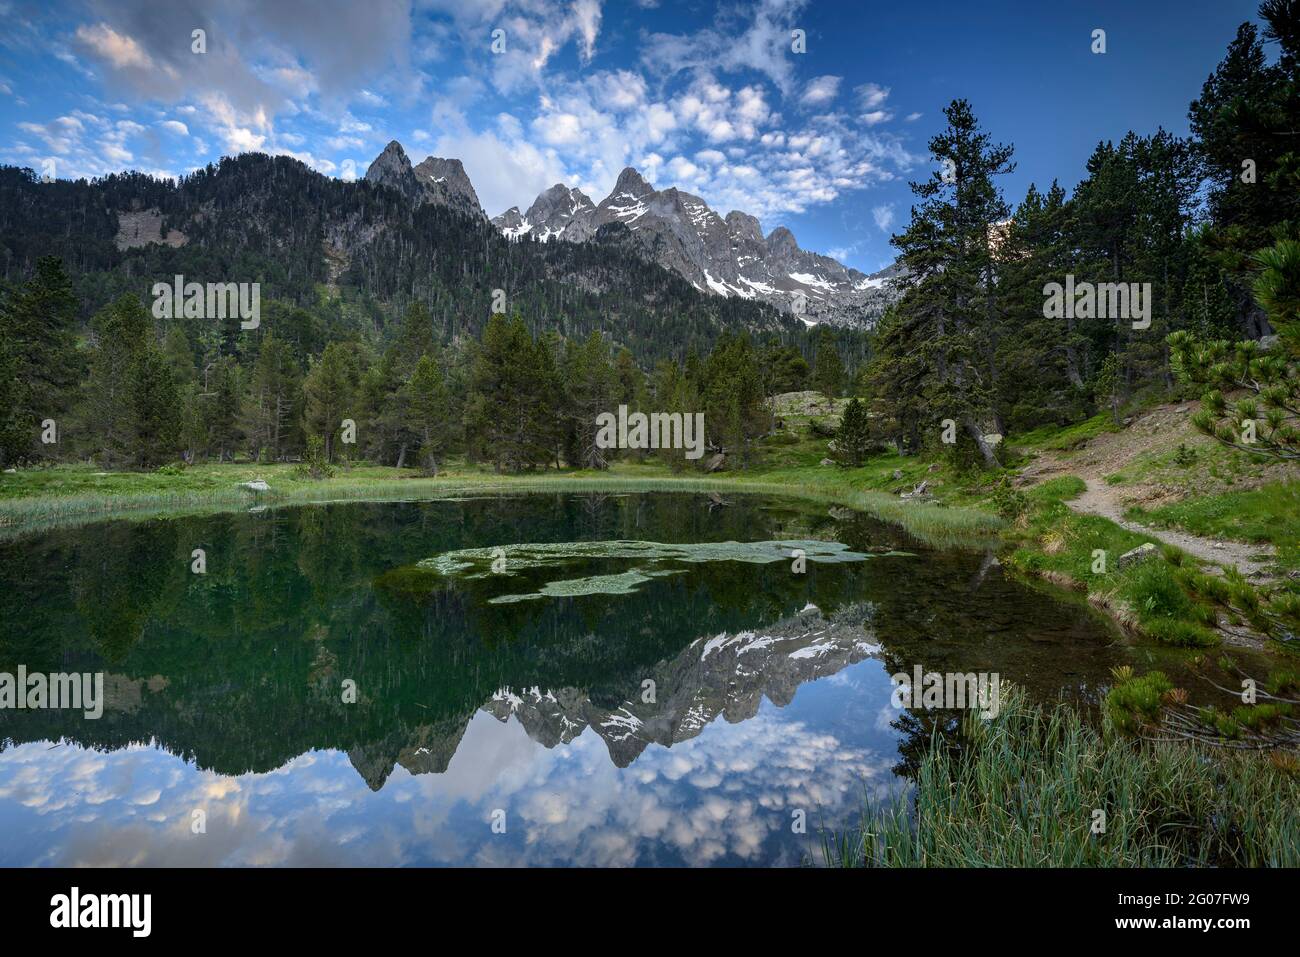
[(683, 721)]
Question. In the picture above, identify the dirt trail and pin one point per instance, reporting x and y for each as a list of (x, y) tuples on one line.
[(1161, 429), (1101, 499)]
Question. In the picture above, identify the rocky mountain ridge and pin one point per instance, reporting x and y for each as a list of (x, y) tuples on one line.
[(724, 256)]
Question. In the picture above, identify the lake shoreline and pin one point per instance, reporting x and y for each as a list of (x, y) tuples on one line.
[(22, 514)]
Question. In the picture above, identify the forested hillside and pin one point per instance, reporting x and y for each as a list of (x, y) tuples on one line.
[(400, 333)]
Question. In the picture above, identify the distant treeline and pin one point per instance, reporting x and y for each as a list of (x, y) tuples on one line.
[(285, 390)]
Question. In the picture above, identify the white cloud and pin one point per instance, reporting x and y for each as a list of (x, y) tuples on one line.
[(872, 95), (682, 169), (884, 216), (506, 170), (821, 90), (755, 38), (123, 52)]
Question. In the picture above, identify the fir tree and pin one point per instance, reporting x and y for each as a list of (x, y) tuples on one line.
[(853, 442)]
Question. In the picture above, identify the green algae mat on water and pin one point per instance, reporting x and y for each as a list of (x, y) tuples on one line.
[(507, 560)]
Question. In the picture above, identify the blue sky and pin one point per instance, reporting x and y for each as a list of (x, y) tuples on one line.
[(706, 96)]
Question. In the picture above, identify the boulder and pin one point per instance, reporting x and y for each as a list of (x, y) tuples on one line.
[(1139, 554), (257, 485)]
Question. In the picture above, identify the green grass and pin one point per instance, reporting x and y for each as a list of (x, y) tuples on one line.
[(1021, 790), (1063, 438), (1266, 515), (1056, 542), (41, 499)]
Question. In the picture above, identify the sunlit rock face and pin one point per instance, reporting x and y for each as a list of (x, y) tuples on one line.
[(723, 256)]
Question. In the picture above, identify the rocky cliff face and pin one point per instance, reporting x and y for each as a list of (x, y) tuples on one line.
[(435, 180), (550, 215), (724, 256), (678, 230)]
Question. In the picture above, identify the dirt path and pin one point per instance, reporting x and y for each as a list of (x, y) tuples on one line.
[(1161, 429), (1101, 499)]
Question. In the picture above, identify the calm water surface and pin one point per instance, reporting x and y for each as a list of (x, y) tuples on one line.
[(672, 708)]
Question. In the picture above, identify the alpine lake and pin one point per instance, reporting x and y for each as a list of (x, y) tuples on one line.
[(542, 679)]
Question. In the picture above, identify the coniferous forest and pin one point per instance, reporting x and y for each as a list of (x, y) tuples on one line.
[(401, 337), (618, 528)]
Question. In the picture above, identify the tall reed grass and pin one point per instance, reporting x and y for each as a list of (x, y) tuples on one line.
[(1022, 789)]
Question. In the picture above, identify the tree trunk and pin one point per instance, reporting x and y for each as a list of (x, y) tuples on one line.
[(986, 450)]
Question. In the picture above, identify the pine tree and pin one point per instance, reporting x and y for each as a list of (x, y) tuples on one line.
[(272, 400), (430, 412), (948, 314), (507, 416), (828, 367), (38, 322), (853, 442), (15, 437), (1266, 421), (329, 390), (155, 408), (731, 393), (120, 334), (593, 389), (219, 408)]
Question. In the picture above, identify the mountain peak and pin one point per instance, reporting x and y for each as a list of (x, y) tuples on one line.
[(630, 181), (445, 181), (392, 168), (727, 257), (781, 239)]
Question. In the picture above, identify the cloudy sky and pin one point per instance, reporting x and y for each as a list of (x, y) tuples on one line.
[(710, 97)]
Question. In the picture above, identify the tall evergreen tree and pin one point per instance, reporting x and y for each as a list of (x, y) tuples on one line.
[(948, 313), (329, 390), (507, 417), (853, 440), (828, 368), (38, 323), (430, 410), (272, 401), (594, 388)]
